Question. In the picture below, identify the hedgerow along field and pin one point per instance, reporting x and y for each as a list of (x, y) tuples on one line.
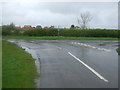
[(63, 32)]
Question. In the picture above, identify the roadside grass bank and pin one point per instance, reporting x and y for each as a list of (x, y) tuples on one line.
[(58, 38), (18, 67), (0, 64), (118, 50)]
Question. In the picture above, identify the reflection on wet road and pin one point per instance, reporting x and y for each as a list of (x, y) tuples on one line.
[(74, 64)]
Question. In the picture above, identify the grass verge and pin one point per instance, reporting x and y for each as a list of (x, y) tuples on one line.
[(59, 38), (18, 70), (118, 51), (0, 64)]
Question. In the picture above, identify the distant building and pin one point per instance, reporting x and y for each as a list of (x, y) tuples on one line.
[(17, 27), (27, 27)]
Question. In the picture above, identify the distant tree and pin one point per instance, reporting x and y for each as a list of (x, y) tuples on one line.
[(77, 27), (12, 26), (6, 27), (39, 26), (72, 27), (84, 19), (52, 27)]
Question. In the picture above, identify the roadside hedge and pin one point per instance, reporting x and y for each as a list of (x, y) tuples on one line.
[(63, 32)]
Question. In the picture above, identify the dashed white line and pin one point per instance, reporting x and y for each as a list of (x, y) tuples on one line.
[(90, 46), (91, 69)]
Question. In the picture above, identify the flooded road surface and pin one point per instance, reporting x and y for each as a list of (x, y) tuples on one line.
[(74, 64)]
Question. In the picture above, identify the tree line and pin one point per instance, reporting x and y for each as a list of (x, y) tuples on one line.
[(63, 32)]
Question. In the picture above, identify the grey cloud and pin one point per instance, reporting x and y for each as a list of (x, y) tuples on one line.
[(62, 13)]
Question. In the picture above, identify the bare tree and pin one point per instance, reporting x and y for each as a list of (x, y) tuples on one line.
[(84, 19)]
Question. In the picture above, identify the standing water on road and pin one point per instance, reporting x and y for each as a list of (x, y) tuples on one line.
[(74, 63)]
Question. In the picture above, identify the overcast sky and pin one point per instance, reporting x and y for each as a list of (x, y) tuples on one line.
[(104, 14)]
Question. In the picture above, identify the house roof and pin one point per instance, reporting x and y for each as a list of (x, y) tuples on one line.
[(17, 27), (27, 26)]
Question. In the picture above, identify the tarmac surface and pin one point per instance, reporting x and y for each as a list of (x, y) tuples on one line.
[(74, 63)]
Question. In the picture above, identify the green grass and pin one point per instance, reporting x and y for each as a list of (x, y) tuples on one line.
[(0, 64), (59, 38), (18, 70), (0, 58), (118, 50)]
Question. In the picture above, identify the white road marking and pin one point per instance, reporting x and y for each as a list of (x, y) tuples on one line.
[(90, 46), (96, 73)]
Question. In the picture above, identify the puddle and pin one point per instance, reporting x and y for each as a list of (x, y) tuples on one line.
[(102, 44)]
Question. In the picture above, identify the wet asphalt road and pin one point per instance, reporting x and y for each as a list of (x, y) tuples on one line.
[(60, 69)]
